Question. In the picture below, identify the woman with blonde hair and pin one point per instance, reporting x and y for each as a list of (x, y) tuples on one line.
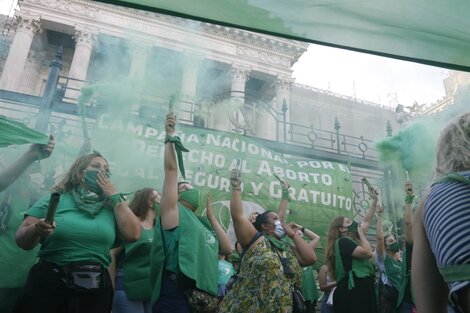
[(441, 256), (71, 275), (348, 256)]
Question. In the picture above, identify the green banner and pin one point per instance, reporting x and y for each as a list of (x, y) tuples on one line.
[(320, 190)]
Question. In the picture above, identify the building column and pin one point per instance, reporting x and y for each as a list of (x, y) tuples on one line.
[(265, 124), (26, 28), (187, 102), (139, 54), (283, 89), (228, 110), (84, 39), (30, 81)]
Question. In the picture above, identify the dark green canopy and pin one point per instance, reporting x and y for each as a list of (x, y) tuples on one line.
[(431, 32)]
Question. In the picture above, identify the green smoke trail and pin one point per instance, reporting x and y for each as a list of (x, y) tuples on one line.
[(414, 148)]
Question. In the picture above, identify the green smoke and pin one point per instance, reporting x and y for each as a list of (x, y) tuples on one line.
[(414, 148)]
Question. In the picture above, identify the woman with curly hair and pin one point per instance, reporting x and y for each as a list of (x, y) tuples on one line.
[(441, 256)]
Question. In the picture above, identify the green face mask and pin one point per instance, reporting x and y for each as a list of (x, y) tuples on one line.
[(156, 206), (191, 196), (394, 247), (353, 227), (91, 182)]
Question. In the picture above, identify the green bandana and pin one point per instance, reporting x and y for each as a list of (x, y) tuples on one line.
[(454, 177), (16, 133), (91, 181), (279, 244), (179, 151), (191, 196), (88, 201)]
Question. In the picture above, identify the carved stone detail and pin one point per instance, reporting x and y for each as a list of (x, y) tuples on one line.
[(284, 84), (28, 24), (84, 36), (70, 6), (240, 73), (264, 57)]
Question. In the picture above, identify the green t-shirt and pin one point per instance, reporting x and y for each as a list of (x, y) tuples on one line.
[(15, 262), (309, 284), (78, 236)]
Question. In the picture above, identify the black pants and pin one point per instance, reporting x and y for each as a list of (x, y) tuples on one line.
[(45, 292)]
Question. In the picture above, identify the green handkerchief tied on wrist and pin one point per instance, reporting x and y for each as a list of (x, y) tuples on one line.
[(179, 151)]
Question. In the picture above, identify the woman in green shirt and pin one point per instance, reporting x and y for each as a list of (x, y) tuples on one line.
[(131, 261), (71, 275)]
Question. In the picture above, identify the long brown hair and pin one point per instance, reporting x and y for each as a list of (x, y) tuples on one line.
[(139, 204), (73, 177), (333, 235)]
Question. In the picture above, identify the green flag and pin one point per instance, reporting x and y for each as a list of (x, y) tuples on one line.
[(16, 133)]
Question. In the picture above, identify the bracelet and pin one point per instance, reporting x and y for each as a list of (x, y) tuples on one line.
[(236, 188), (409, 198), (302, 229), (116, 199)]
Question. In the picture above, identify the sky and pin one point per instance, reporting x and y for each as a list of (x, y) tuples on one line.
[(377, 79)]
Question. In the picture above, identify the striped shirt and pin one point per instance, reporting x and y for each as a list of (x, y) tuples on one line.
[(447, 225)]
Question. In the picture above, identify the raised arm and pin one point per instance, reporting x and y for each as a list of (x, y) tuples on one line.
[(169, 213), (363, 250), (314, 238), (367, 220), (303, 251), (34, 153), (244, 230), (225, 248), (128, 224), (281, 212), (430, 289), (380, 247), (408, 214)]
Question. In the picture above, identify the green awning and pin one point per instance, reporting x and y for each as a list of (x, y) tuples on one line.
[(429, 32)]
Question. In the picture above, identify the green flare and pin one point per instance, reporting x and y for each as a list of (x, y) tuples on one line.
[(413, 148)]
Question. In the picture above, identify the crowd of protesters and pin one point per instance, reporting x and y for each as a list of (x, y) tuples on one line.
[(99, 254)]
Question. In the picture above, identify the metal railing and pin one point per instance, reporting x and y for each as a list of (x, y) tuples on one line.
[(194, 112)]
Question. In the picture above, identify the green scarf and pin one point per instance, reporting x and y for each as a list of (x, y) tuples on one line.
[(179, 151), (12, 132), (360, 267), (454, 177), (279, 244), (191, 196), (198, 251), (88, 201)]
